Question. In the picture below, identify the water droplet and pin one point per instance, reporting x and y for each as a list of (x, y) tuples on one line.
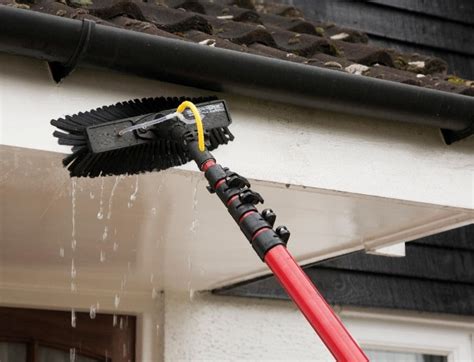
[(91, 195), (73, 318), (157, 329), (152, 277), (191, 294), (195, 199), (72, 355), (105, 233), (100, 214), (73, 244), (153, 210), (154, 293), (121, 323), (195, 222), (92, 311), (133, 196), (124, 347), (114, 320), (73, 287), (117, 180), (61, 252), (194, 226), (115, 246), (102, 256), (116, 301), (73, 270)]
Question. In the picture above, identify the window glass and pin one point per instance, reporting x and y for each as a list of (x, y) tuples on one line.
[(12, 352), (46, 354), (390, 356)]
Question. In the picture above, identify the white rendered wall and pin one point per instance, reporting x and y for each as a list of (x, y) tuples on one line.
[(284, 144), (203, 327), (212, 328)]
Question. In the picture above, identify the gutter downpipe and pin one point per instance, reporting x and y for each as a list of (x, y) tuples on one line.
[(65, 43)]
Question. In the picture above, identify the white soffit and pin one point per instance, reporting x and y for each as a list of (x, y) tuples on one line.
[(165, 231)]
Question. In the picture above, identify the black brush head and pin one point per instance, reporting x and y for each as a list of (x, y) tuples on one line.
[(97, 151)]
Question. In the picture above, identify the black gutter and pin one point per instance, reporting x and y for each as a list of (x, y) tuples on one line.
[(66, 42)]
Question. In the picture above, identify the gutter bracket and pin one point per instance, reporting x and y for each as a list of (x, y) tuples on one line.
[(59, 71), (451, 136)]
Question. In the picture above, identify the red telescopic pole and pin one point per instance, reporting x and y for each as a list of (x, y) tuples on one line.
[(270, 246), (311, 303)]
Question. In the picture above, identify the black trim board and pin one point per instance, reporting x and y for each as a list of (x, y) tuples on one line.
[(416, 28), (456, 10), (55, 39), (438, 28), (349, 288), (436, 275)]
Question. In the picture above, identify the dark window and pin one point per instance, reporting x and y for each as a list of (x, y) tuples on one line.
[(28, 335)]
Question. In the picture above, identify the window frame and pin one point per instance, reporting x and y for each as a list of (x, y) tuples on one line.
[(405, 334)]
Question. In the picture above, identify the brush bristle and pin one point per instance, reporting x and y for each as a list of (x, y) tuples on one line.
[(156, 155)]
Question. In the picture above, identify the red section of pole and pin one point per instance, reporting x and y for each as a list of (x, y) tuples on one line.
[(318, 313)]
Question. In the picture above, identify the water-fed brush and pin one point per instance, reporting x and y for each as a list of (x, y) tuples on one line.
[(154, 134)]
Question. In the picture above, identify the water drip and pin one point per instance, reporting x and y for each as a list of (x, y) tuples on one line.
[(105, 233), (100, 214), (72, 355), (133, 196), (73, 318), (92, 311), (112, 193), (73, 270)]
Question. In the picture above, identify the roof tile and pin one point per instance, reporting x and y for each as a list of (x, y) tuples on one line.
[(270, 30), (60, 9), (240, 33), (301, 44), (141, 26)]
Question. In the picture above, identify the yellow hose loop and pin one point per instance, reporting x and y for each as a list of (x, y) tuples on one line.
[(197, 117)]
